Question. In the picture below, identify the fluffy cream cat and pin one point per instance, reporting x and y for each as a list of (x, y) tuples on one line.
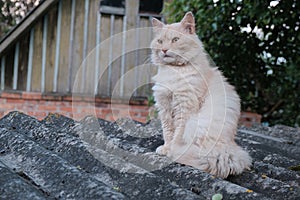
[(198, 108)]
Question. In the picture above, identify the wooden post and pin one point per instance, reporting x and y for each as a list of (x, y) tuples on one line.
[(131, 12), (30, 58), (3, 73), (16, 66)]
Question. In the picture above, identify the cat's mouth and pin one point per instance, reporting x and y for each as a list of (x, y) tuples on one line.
[(166, 55), (168, 58)]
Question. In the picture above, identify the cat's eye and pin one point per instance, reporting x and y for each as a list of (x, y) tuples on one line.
[(175, 39), (159, 41)]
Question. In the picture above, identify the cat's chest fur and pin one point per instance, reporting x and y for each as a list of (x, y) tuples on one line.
[(174, 84), (176, 79)]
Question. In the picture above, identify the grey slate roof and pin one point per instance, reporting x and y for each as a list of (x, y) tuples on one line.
[(58, 158)]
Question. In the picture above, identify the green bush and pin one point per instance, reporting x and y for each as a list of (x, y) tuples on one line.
[(256, 45)]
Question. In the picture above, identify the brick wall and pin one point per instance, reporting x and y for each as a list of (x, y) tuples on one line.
[(249, 119), (40, 105)]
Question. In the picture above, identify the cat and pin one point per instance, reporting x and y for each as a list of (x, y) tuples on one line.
[(199, 110)]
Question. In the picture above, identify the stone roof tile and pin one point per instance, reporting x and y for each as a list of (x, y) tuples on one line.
[(96, 159)]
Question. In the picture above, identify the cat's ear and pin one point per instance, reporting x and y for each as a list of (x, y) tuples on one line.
[(188, 23), (156, 23)]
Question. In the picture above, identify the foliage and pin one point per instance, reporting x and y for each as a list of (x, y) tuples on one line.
[(256, 45), (217, 197), (13, 11)]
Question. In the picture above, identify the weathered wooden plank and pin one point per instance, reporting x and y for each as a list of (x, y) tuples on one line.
[(44, 52), (97, 53), (91, 44), (117, 52), (23, 62), (78, 46), (37, 57), (104, 61), (110, 55), (3, 61), (144, 58), (123, 58), (71, 44), (16, 65), (132, 9), (57, 46), (50, 54), (64, 47), (112, 10), (30, 59), (85, 45), (9, 66)]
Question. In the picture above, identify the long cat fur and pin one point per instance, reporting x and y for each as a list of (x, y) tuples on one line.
[(198, 108)]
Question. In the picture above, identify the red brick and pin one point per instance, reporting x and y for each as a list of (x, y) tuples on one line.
[(27, 107), (102, 99), (65, 108), (31, 113), (6, 106), (99, 100), (106, 111), (47, 108), (31, 95), (251, 116), (81, 104), (72, 98), (32, 102), (37, 114), (101, 105), (67, 98), (99, 115), (13, 95), (249, 119), (115, 111), (51, 97), (143, 102), (15, 101), (145, 114), (143, 108), (120, 106), (61, 103), (98, 110), (48, 103), (88, 110), (140, 119), (88, 99)]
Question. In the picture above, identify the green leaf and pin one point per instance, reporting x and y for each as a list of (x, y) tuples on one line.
[(238, 19), (217, 197)]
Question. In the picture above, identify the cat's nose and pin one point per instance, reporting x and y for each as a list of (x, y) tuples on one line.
[(164, 50)]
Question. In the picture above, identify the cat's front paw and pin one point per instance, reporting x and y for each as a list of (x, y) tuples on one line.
[(162, 150)]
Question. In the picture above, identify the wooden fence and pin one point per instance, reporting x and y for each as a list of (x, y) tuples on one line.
[(79, 46)]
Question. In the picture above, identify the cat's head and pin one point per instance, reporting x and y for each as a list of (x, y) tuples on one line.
[(174, 44)]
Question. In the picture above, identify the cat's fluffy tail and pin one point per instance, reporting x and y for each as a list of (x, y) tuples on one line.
[(215, 156)]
